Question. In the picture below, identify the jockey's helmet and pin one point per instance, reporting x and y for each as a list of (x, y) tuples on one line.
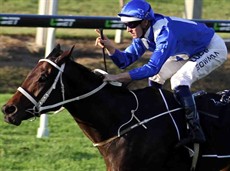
[(136, 10)]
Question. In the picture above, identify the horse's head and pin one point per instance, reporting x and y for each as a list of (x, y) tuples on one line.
[(38, 89)]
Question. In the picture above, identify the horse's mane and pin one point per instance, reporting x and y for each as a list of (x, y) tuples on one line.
[(87, 71)]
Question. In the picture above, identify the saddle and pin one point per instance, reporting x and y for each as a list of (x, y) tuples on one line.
[(223, 100), (215, 104), (225, 97)]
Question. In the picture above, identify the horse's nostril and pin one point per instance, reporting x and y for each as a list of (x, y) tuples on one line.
[(9, 109)]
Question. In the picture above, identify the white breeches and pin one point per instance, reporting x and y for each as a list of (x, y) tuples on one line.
[(187, 71)]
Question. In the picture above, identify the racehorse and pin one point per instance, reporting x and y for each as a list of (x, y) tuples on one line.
[(134, 130)]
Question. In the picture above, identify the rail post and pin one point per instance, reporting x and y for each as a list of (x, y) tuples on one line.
[(119, 32), (41, 33), (43, 130)]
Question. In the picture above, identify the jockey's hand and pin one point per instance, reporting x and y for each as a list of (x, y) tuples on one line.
[(105, 43), (123, 77)]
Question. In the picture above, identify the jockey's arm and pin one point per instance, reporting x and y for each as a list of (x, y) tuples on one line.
[(122, 77)]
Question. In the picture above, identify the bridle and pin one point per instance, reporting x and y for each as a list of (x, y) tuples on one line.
[(38, 105)]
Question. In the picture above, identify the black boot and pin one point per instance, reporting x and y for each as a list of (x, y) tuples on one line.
[(184, 96)]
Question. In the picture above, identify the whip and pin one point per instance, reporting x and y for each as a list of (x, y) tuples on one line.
[(103, 49)]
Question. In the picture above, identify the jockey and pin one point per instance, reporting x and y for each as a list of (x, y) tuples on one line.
[(182, 50)]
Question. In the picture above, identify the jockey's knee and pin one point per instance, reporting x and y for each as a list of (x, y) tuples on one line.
[(177, 80)]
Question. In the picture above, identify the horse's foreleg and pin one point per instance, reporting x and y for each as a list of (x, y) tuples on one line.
[(226, 168)]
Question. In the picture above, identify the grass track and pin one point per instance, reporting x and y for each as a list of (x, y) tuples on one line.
[(67, 149)]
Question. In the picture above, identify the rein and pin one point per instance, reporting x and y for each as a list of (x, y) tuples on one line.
[(38, 104), (141, 123), (134, 126)]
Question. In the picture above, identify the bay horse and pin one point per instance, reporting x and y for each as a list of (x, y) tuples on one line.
[(134, 130)]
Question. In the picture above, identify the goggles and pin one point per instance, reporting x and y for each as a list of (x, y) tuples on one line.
[(133, 24)]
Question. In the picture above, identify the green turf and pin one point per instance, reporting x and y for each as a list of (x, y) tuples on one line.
[(66, 149)]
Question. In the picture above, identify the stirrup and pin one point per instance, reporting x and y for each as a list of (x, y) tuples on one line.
[(189, 140), (195, 132), (184, 142)]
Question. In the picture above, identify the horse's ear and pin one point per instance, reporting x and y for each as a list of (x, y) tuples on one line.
[(55, 52), (64, 56), (71, 51), (58, 46)]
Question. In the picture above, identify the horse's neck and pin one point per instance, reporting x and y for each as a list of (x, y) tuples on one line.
[(100, 114), (79, 80)]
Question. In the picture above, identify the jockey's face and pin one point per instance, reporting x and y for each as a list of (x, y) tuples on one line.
[(138, 30)]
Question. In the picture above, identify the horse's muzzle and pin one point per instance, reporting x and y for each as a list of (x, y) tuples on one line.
[(9, 111)]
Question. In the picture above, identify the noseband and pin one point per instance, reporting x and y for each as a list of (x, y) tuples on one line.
[(37, 108)]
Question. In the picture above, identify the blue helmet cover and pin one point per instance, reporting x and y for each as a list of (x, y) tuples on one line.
[(137, 9)]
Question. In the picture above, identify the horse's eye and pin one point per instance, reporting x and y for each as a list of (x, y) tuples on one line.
[(43, 78)]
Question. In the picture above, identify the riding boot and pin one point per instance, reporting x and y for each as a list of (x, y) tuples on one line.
[(186, 99)]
